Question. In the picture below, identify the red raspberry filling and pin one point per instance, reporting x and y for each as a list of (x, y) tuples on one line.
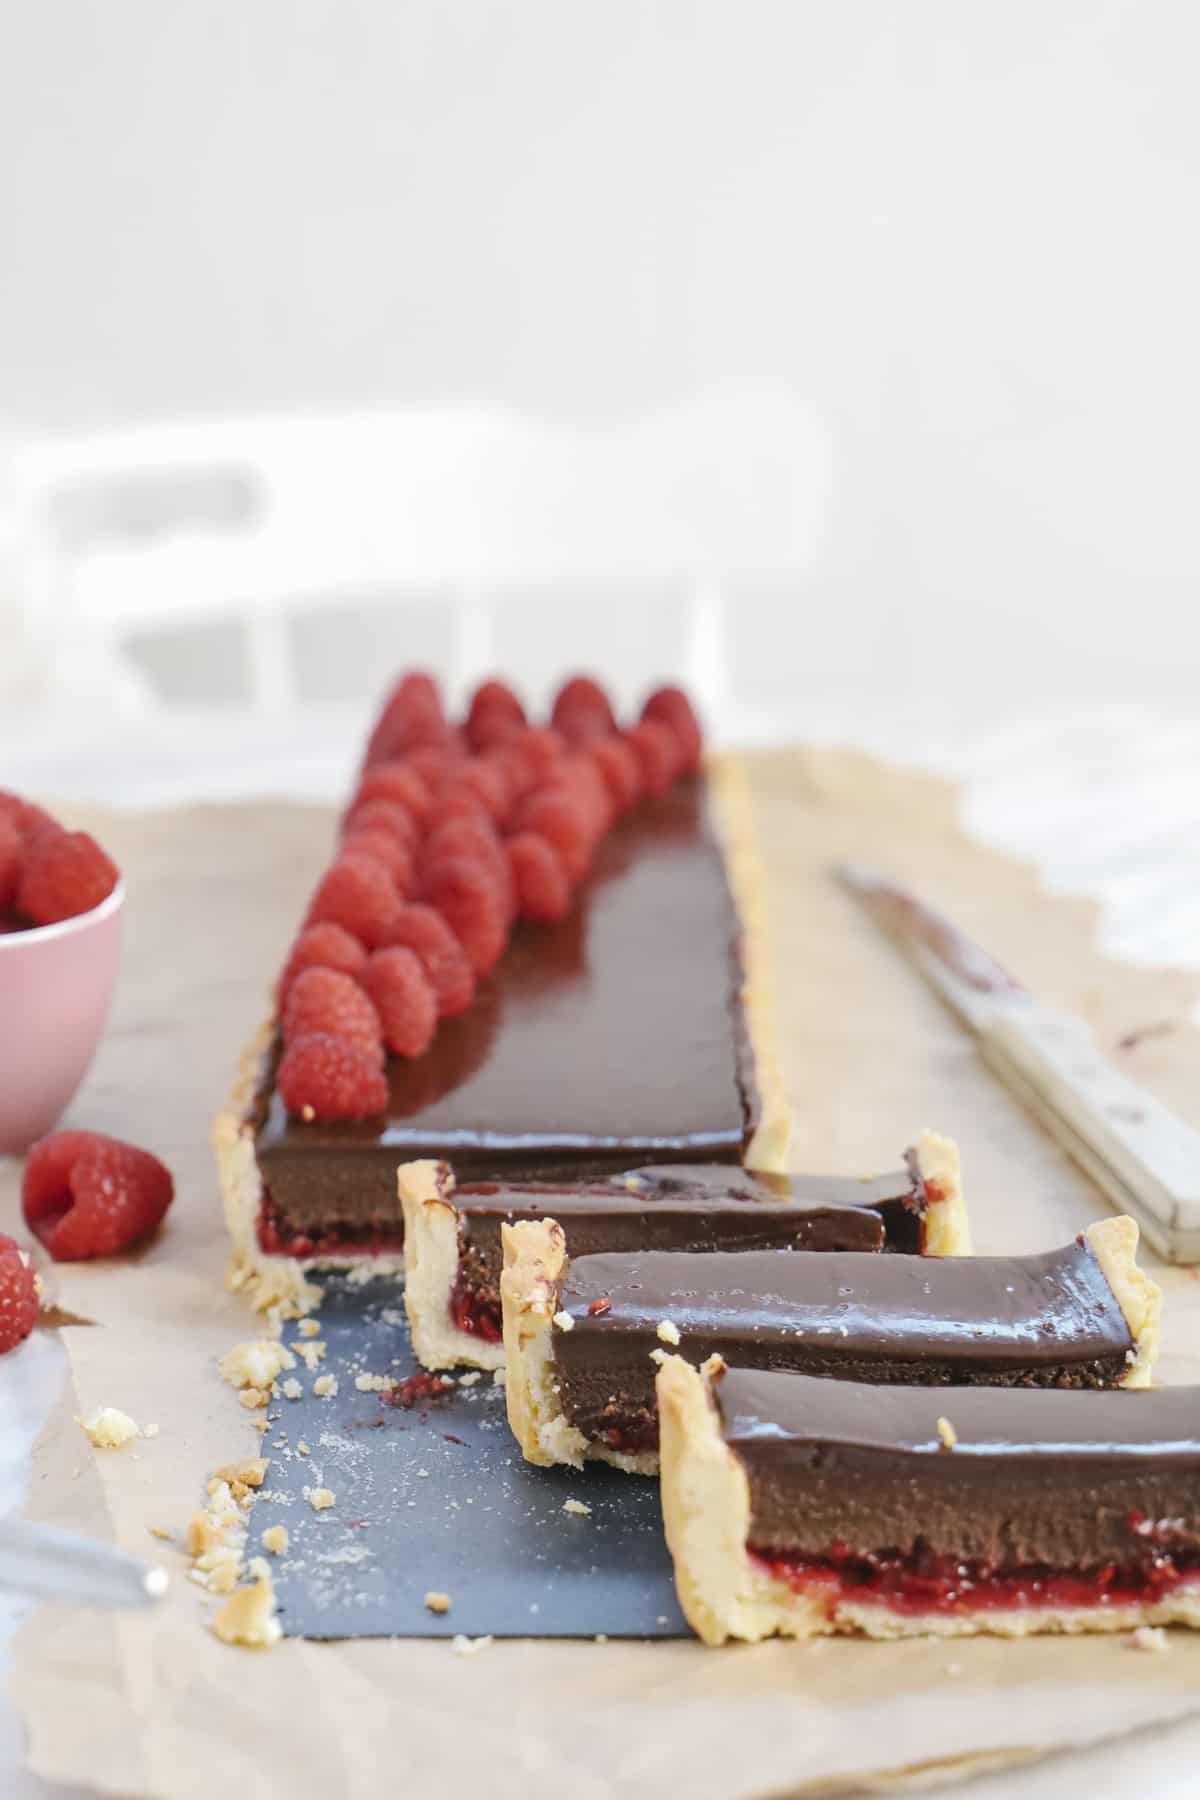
[(475, 1313), (925, 1582)]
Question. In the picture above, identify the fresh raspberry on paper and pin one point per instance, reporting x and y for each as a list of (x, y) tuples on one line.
[(357, 893), (660, 758), (84, 1195), (12, 850), (540, 881), (388, 816), (398, 782), (460, 836), (434, 763), (18, 1295), (63, 874), (474, 905), (579, 775), (620, 771), (582, 712), (672, 708), (325, 946), (561, 819), (329, 1001), (30, 820), (495, 715), (490, 783), (404, 997), (324, 1077), (535, 754), (385, 849), (412, 716), (440, 954), (453, 801)]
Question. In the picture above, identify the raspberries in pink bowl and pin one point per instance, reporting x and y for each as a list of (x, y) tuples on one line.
[(47, 874), (457, 835)]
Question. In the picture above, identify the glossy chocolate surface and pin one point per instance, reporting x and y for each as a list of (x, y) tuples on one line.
[(613, 1038), (1030, 1321), (1034, 1477)]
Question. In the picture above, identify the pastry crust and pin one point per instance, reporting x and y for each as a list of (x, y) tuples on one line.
[(733, 812), (535, 1261), (431, 1263), (945, 1229), (725, 1595), (1114, 1244)]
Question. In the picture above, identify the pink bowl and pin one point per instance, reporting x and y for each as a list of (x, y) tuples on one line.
[(56, 983)]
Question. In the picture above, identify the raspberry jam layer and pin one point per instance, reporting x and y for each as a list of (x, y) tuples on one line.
[(924, 1582), (476, 1310), (276, 1239)]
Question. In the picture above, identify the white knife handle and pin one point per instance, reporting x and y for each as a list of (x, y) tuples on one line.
[(1146, 1159)]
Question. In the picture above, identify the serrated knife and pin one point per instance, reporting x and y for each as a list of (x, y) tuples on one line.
[(1146, 1160)]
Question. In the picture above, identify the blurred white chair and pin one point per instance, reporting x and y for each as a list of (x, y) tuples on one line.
[(468, 541)]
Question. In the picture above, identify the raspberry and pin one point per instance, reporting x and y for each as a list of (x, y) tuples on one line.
[(535, 754), (18, 1296), (658, 752), (84, 1195), (359, 894), (12, 849), (468, 897), (30, 820), (398, 782), (580, 776), (383, 815), (582, 712), (432, 764), (440, 954), (672, 708), (326, 1000), (540, 881), (620, 771), (412, 716), (324, 1077), (405, 999), (559, 817), (458, 836), (495, 714), (64, 873), (323, 947), (454, 802), (385, 849), (489, 783)]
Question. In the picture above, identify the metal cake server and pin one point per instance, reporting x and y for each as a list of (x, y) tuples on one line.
[(1146, 1160), (57, 1565)]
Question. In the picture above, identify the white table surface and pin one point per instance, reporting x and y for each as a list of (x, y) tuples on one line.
[(1106, 800)]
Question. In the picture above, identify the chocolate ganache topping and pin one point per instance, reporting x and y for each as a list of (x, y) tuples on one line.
[(614, 1038)]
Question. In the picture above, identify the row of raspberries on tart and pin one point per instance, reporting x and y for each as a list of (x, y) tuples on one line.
[(452, 835), (47, 873), (83, 1195)]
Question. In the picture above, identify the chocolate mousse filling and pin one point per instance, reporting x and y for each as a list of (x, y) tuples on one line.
[(614, 1038), (1083, 1316), (854, 1499)]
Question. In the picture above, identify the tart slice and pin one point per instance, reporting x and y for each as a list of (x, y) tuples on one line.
[(452, 1234), (598, 1000), (806, 1507), (582, 1338)]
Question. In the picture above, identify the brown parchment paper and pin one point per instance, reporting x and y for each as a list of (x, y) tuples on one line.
[(153, 1705)]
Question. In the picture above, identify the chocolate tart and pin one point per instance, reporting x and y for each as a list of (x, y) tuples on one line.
[(806, 1507), (452, 1234), (635, 1031), (581, 1339)]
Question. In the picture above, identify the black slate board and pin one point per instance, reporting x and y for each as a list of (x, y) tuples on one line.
[(439, 1498)]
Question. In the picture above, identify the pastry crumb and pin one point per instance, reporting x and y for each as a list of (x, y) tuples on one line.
[(302, 1449), (714, 1366), (325, 1387), (579, 1507), (250, 1472), (374, 1384), (601, 1637), (109, 1428), (149, 1431), (248, 1617), (668, 1331), (311, 1353), (321, 1498), (160, 1531), (291, 1389), (1151, 1638), (500, 1377), (259, 1568), (255, 1364), (252, 1398), (564, 1321), (309, 1328), (422, 1472), (470, 1379), (275, 1539), (660, 1356), (470, 1646), (947, 1433), (436, 1602)]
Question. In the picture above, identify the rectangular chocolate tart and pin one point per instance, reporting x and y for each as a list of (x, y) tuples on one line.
[(803, 1507), (453, 1252), (634, 1031), (581, 1339)]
